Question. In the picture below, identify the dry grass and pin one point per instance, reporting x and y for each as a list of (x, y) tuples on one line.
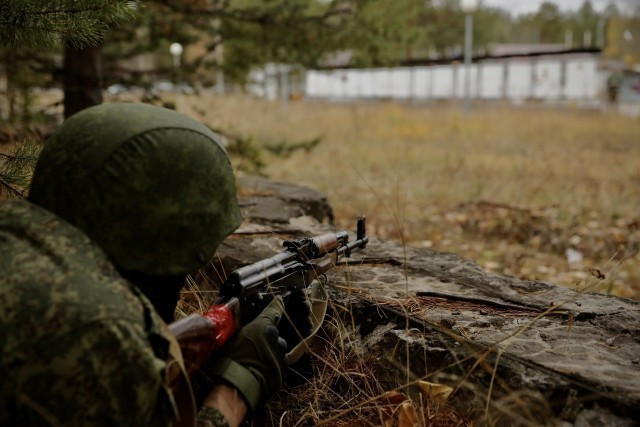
[(349, 387), (510, 188), (339, 382)]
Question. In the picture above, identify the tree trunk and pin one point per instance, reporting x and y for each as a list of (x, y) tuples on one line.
[(10, 72), (82, 78)]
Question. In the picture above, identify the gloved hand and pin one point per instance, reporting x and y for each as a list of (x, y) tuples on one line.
[(296, 323), (254, 361)]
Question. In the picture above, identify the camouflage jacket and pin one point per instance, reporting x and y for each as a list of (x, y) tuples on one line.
[(79, 345)]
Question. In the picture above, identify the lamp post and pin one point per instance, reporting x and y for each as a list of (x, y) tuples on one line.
[(468, 7), (176, 51)]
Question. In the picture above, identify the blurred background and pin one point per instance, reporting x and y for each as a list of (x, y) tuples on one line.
[(502, 130)]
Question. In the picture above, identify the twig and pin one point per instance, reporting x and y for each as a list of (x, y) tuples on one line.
[(493, 377), (9, 187), (487, 302)]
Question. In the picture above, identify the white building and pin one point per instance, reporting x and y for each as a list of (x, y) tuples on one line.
[(551, 76)]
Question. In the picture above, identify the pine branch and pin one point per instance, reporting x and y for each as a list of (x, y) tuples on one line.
[(328, 14), (18, 158), (16, 169), (41, 23), (4, 184), (95, 8)]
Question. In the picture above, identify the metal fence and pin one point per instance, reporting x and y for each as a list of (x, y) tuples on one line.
[(554, 78)]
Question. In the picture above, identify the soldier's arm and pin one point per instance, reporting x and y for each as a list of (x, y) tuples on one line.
[(223, 406), (250, 368)]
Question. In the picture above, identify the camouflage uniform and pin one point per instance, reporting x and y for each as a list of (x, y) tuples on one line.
[(80, 345), (72, 330)]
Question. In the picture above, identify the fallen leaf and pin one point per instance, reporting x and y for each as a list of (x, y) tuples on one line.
[(407, 416), (436, 392), (398, 411)]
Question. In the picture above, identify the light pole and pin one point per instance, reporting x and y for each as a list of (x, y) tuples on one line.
[(176, 51), (468, 7)]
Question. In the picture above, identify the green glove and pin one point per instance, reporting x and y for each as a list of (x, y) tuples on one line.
[(254, 361), (296, 324)]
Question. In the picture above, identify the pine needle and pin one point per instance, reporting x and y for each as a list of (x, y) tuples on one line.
[(45, 23), (16, 169)]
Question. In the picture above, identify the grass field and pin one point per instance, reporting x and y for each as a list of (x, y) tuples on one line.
[(522, 191)]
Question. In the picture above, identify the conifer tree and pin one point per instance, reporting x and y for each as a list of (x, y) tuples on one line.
[(31, 31), (46, 23), (78, 26)]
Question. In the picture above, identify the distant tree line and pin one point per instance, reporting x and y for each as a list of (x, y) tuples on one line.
[(85, 46)]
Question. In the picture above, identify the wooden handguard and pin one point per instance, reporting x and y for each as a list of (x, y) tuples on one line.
[(325, 243)]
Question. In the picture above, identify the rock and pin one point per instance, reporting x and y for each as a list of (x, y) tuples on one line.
[(566, 356), (598, 418), (270, 202)]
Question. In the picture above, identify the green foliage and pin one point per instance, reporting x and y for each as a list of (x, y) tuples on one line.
[(246, 155), (32, 33), (547, 25), (620, 47), (381, 31), (550, 25), (234, 36), (16, 169), (23, 72), (286, 149), (44, 23), (278, 31)]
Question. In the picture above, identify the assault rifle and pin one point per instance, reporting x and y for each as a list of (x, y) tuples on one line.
[(249, 289)]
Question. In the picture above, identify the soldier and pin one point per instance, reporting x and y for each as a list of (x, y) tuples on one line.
[(126, 200)]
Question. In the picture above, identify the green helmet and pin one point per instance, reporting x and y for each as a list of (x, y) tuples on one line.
[(152, 187)]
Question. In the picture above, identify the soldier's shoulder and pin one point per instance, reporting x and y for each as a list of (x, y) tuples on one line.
[(55, 278), (62, 302), (33, 234)]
